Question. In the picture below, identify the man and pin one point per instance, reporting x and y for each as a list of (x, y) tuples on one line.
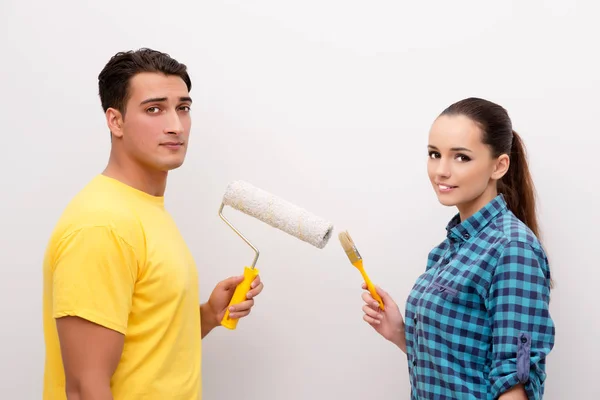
[(122, 318)]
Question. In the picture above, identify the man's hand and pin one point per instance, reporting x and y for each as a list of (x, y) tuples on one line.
[(213, 311)]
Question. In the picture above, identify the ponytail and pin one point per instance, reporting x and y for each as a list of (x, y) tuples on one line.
[(518, 189), (517, 186)]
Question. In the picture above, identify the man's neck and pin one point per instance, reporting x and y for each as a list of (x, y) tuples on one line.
[(153, 183)]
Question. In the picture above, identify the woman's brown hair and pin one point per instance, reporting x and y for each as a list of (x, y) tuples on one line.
[(496, 126)]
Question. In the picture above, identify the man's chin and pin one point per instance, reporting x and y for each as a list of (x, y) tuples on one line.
[(171, 165)]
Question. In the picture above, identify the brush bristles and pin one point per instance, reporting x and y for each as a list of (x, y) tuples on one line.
[(349, 247)]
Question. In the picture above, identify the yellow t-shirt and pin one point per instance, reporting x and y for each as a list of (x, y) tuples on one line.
[(116, 258)]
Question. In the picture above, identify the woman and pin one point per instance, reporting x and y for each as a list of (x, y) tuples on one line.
[(477, 322)]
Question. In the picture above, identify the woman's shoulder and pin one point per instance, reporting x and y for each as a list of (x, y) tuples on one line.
[(513, 230)]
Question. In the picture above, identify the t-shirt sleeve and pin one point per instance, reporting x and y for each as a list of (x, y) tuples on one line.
[(523, 330), (94, 275)]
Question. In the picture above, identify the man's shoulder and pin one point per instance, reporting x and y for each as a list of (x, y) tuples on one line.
[(95, 205)]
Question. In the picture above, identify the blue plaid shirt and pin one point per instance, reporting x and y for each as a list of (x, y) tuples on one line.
[(477, 321)]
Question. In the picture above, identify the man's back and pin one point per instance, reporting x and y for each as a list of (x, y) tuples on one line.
[(116, 258)]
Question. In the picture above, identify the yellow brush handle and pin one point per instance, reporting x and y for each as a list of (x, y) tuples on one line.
[(239, 296), (370, 286)]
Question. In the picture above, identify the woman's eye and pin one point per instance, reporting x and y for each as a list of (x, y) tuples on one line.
[(462, 158), (434, 154)]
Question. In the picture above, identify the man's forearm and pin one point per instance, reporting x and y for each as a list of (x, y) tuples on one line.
[(208, 320)]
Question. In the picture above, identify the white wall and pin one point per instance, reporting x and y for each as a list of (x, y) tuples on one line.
[(326, 104)]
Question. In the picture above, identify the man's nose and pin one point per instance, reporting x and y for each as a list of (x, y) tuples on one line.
[(174, 125)]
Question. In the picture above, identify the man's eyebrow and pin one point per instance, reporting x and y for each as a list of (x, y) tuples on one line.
[(154, 100), (162, 99)]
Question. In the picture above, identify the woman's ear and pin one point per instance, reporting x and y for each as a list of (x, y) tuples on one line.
[(501, 166)]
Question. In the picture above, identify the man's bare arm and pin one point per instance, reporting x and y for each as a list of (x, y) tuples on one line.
[(90, 356)]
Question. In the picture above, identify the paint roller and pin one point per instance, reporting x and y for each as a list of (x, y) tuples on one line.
[(277, 213)]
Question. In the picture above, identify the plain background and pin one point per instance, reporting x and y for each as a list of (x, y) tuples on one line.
[(326, 104)]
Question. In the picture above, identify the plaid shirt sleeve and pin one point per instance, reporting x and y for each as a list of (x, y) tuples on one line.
[(523, 331)]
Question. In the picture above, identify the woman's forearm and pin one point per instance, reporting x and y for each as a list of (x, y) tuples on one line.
[(514, 393)]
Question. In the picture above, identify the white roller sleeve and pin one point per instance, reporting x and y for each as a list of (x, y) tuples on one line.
[(278, 213)]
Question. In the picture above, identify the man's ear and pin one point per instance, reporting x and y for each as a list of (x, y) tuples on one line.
[(114, 120), (501, 166)]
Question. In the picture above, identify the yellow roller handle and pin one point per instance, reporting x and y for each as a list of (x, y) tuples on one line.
[(370, 286), (239, 296)]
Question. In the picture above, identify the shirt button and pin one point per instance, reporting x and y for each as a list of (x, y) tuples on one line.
[(414, 363), (466, 236), (523, 339)]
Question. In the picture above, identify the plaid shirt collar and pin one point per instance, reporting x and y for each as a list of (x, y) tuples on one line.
[(463, 231)]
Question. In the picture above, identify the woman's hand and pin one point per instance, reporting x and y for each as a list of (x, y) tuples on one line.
[(389, 322)]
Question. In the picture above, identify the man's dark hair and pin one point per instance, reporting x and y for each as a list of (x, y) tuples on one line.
[(114, 79)]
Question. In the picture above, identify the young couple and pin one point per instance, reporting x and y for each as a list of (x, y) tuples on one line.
[(122, 318)]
